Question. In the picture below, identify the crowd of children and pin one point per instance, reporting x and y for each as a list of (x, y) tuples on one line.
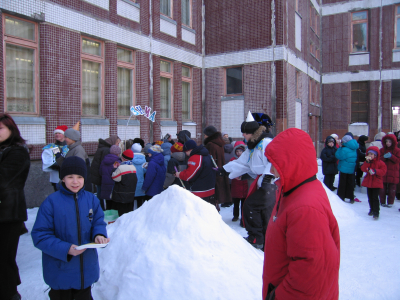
[(379, 161)]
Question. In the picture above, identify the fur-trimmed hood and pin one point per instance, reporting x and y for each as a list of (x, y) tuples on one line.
[(258, 135)]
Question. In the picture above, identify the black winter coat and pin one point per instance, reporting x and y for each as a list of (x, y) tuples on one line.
[(102, 150), (329, 160), (14, 170)]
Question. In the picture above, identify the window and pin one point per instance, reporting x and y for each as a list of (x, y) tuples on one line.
[(397, 29), (297, 29), (165, 89), (21, 67), (92, 77), (186, 93), (297, 83), (359, 102), (359, 31), (125, 81), (234, 81), (313, 88), (186, 12), (296, 7), (166, 7)]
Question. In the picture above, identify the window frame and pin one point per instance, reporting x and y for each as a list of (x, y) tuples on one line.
[(297, 84), (96, 59), (190, 81), (396, 34), (226, 83), (351, 31), (353, 89), (171, 2), (170, 76), (190, 16), (21, 42), (132, 67)]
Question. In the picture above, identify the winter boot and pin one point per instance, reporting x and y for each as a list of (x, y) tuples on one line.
[(234, 219), (370, 213), (17, 296), (253, 241), (351, 201), (376, 217)]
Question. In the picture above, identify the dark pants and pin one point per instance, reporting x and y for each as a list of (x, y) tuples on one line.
[(123, 208), (140, 200), (390, 190), (71, 294), (9, 274), (373, 200), (346, 186), (329, 179), (359, 174), (237, 203), (98, 191), (257, 210)]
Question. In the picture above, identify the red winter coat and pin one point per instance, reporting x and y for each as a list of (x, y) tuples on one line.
[(379, 167), (302, 243), (239, 188), (392, 163)]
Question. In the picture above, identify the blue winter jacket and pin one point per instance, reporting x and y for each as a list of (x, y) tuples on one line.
[(138, 161), (105, 170), (347, 156), (166, 152), (63, 219), (155, 175)]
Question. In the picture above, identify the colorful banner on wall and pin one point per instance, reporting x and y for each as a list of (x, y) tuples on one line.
[(139, 111)]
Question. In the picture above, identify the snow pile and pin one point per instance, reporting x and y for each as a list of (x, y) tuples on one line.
[(176, 246)]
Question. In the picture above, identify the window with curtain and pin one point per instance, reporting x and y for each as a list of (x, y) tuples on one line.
[(359, 31), (20, 65), (234, 81), (125, 80), (186, 93), (92, 77), (359, 101), (165, 7), (165, 89), (186, 13)]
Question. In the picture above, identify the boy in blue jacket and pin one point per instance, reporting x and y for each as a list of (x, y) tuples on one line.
[(155, 175), (68, 218)]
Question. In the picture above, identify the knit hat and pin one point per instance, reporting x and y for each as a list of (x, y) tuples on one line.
[(223, 133), (373, 152), (209, 130), (73, 165), (147, 147), (61, 129), (136, 148), (346, 138), (139, 141), (250, 125), (155, 149), (189, 145), (158, 142), (128, 154), (116, 150), (177, 147), (72, 134), (335, 136)]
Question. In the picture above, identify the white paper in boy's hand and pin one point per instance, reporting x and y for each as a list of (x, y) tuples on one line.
[(91, 245)]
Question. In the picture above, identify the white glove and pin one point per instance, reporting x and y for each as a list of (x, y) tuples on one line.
[(144, 166), (371, 172)]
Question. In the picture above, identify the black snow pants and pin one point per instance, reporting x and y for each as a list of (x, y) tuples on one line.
[(257, 210)]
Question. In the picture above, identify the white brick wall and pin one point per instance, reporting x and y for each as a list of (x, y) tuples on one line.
[(101, 3), (168, 27), (232, 115), (92, 133), (128, 132), (34, 134), (188, 36)]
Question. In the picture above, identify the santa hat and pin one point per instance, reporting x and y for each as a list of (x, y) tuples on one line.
[(128, 154), (60, 129), (177, 147)]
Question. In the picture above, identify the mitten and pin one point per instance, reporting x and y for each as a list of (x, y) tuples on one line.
[(387, 155), (371, 171), (144, 166)]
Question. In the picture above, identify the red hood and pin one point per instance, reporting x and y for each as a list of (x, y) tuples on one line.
[(376, 149), (391, 137), (293, 155)]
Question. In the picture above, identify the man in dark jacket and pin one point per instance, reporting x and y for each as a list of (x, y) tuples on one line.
[(215, 146), (199, 173), (329, 162)]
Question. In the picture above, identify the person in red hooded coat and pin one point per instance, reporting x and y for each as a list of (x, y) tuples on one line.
[(375, 169), (302, 243), (390, 155)]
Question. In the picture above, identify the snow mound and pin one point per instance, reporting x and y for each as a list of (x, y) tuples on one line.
[(176, 246)]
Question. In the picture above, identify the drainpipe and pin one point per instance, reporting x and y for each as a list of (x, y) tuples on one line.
[(273, 69), (380, 71), (203, 69), (151, 68)]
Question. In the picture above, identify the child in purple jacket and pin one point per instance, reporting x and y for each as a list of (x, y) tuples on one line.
[(105, 171), (156, 172)]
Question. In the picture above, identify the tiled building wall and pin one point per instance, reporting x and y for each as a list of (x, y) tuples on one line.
[(386, 105), (237, 25), (177, 99), (281, 96), (60, 77), (291, 95), (156, 95), (388, 38), (214, 90), (110, 87)]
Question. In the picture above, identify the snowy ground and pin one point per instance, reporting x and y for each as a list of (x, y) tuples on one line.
[(210, 257)]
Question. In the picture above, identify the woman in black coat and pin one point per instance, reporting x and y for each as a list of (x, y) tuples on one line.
[(329, 162), (14, 169)]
